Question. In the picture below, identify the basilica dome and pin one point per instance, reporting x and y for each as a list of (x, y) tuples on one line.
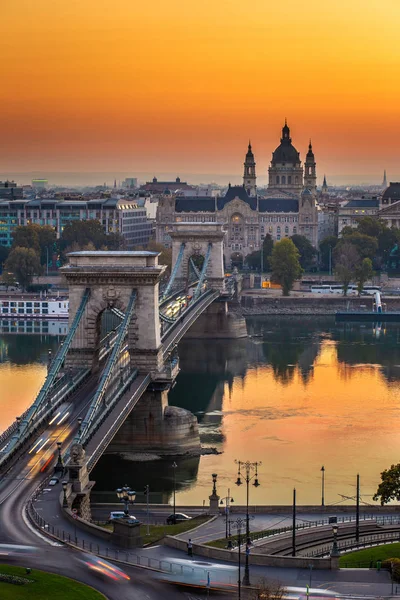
[(285, 152)]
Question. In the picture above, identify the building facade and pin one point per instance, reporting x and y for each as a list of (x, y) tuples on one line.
[(288, 206), (10, 190), (116, 216)]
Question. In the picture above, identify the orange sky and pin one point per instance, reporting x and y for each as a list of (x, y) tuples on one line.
[(180, 86)]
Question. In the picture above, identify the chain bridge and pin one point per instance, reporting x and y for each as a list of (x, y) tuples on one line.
[(108, 383)]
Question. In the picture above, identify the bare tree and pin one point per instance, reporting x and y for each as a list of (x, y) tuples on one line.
[(267, 589)]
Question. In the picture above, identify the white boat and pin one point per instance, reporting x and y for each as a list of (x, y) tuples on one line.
[(33, 307)]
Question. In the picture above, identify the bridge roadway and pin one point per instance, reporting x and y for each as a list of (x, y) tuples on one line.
[(113, 421), (18, 485)]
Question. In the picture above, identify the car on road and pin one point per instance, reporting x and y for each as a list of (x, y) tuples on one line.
[(54, 481), (102, 568), (119, 514), (177, 518)]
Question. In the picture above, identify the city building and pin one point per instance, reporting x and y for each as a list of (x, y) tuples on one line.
[(390, 205), (130, 183), (287, 207), (122, 216), (160, 187), (40, 184), (349, 213), (11, 190)]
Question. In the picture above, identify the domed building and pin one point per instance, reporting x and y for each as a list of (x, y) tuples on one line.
[(288, 207), (286, 172)]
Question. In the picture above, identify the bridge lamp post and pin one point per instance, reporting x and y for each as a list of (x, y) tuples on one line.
[(335, 550), (244, 470), (174, 466), (64, 488), (126, 495), (60, 465)]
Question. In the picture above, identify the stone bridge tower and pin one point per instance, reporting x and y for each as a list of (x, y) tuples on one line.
[(111, 277), (197, 237)]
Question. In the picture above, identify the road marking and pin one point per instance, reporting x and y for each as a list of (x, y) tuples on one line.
[(36, 532)]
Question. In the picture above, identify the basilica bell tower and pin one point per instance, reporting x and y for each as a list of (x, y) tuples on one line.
[(249, 175), (310, 174)]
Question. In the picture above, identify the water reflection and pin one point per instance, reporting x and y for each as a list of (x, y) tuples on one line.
[(23, 368), (299, 393)]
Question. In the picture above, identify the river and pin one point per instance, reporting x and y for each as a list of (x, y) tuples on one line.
[(298, 394)]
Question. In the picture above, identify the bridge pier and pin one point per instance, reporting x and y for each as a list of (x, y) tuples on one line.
[(220, 320), (153, 427)]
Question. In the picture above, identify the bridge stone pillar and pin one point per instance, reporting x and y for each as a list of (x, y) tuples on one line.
[(111, 278), (196, 237), (153, 427)]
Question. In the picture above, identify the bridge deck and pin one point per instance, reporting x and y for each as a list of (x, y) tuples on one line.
[(114, 420)]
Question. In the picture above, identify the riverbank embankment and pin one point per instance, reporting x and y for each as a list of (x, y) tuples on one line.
[(267, 303)]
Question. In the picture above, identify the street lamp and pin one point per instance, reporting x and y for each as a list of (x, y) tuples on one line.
[(174, 466), (227, 501), (239, 524), (335, 549), (214, 479), (64, 487), (60, 465), (126, 495), (244, 470), (323, 485)]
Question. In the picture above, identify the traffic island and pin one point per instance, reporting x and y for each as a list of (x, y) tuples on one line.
[(19, 583)]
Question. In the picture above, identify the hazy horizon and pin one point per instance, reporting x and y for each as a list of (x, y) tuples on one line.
[(92, 178)]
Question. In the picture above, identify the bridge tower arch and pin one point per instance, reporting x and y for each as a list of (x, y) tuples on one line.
[(196, 238), (111, 277)]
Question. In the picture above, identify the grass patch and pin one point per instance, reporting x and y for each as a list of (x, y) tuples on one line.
[(44, 586), (157, 532), (369, 556)]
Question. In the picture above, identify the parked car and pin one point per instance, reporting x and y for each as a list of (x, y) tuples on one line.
[(119, 514), (177, 518), (54, 481)]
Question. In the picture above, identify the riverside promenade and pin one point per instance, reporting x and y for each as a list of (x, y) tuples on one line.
[(62, 529)]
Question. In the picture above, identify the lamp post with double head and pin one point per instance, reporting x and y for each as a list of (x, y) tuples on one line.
[(126, 495), (227, 501), (239, 524), (245, 470)]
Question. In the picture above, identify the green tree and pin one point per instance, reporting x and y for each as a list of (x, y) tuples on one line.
[(253, 260), (165, 257), (8, 279), (326, 248), (366, 245), (306, 250), (371, 226), (81, 233), (285, 264), (267, 247), (24, 263), (346, 260), (363, 272), (41, 238), (4, 252), (389, 488)]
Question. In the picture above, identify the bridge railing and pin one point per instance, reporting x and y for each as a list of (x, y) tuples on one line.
[(43, 415), (189, 315), (108, 372), (120, 418)]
